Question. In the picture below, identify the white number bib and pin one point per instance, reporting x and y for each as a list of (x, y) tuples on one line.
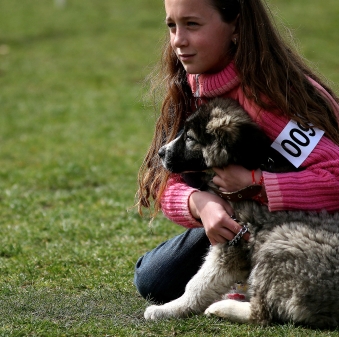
[(296, 142)]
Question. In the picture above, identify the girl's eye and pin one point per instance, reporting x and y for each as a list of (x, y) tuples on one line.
[(170, 25), (192, 23)]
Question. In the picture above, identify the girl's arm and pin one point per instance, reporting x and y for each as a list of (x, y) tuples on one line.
[(174, 202), (316, 187), (185, 205)]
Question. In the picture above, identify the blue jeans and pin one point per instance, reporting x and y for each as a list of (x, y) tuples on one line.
[(161, 275)]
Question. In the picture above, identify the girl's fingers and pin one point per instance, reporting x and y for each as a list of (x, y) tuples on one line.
[(227, 233)]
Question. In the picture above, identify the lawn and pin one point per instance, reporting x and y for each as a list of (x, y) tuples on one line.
[(74, 128)]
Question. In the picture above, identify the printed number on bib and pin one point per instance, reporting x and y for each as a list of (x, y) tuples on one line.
[(296, 142)]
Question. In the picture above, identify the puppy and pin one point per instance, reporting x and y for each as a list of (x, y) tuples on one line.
[(291, 262), (218, 134)]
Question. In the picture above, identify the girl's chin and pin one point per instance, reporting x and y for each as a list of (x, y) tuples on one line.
[(191, 70), (200, 70)]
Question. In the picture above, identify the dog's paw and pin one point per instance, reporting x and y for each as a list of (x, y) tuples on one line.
[(234, 311), (217, 309), (155, 312)]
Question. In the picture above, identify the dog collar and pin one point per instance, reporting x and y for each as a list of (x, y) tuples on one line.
[(247, 192)]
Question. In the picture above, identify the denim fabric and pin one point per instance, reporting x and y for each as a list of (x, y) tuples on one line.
[(162, 274)]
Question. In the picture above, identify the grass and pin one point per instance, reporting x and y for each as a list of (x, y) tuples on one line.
[(73, 132)]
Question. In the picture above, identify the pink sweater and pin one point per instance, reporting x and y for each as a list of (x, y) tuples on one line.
[(315, 188)]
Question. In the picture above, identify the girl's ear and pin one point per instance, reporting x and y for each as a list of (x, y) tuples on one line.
[(235, 36)]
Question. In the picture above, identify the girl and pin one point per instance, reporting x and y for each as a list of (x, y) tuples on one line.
[(230, 48)]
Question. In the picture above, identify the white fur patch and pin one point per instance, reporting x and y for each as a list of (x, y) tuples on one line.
[(232, 310)]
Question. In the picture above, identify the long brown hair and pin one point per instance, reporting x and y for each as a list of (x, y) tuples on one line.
[(267, 67)]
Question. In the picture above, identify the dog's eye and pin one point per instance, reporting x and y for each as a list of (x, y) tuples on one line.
[(190, 139)]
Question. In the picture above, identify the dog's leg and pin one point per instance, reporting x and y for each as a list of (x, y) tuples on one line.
[(212, 281), (232, 310)]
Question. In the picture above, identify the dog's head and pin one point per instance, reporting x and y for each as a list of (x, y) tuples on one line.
[(219, 133)]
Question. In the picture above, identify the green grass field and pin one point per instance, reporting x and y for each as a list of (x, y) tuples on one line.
[(73, 132)]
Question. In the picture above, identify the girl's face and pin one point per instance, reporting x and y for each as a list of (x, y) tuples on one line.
[(198, 35)]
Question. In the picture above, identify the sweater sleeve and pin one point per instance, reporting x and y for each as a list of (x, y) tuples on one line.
[(174, 202), (315, 188)]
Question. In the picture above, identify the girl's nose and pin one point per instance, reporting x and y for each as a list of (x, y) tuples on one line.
[(180, 38)]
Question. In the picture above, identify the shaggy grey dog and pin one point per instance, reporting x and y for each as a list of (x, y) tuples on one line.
[(291, 262)]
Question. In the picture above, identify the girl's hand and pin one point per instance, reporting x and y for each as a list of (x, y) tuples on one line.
[(215, 215), (234, 177)]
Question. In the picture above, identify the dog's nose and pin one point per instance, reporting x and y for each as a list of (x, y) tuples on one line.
[(162, 152)]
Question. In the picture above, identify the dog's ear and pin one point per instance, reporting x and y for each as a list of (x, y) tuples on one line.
[(235, 138), (237, 142), (223, 130), (219, 126), (219, 129)]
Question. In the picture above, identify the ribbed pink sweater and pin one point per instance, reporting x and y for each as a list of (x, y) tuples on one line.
[(315, 188)]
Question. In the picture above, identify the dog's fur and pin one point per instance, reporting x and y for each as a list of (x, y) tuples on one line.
[(291, 262)]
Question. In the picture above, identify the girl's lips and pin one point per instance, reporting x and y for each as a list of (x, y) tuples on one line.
[(185, 57)]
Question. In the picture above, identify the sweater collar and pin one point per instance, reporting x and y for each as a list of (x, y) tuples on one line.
[(212, 85)]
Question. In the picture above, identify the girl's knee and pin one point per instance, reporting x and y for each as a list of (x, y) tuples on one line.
[(153, 284), (141, 281)]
